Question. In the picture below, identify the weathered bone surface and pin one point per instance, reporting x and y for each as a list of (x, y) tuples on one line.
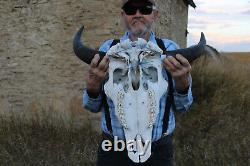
[(135, 86)]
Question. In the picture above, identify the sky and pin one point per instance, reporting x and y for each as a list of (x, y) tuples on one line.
[(225, 23)]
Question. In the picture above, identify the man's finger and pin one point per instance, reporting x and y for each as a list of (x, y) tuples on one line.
[(175, 62), (187, 67), (94, 61), (170, 67), (106, 67), (103, 63), (182, 60)]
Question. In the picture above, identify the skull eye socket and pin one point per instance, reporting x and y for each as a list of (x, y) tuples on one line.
[(150, 74), (119, 75)]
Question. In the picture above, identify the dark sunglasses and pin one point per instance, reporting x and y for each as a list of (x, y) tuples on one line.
[(131, 10)]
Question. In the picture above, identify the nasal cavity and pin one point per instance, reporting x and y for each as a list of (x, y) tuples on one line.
[(135, 76), (136, 85)]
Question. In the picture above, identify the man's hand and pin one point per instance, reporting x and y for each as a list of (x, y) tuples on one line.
[(97, 74), (180, 69)]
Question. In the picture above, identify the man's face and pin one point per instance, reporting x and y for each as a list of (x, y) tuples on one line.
[(139, 23)]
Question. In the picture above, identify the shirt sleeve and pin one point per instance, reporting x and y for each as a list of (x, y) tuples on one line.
[(183, 101), (106, 45), (170, 45), (91, 104)]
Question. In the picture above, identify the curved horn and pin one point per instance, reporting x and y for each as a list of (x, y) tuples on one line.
[(85, 53), (191, 53)]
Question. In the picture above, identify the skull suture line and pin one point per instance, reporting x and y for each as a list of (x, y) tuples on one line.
[(135, 86)]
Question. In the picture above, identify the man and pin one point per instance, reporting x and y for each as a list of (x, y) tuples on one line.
[(138, 17)]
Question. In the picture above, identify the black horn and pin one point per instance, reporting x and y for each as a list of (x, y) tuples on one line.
[(85, 53), (191, 53)]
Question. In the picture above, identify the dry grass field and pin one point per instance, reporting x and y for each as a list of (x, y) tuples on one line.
[(241, 56), (216, 129), (214, 132)]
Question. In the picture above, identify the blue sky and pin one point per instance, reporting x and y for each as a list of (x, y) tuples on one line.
[(226, 24)]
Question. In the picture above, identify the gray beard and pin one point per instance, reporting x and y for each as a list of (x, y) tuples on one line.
[(140, 33)]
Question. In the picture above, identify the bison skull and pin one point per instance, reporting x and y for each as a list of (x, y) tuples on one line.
[(135, 86)]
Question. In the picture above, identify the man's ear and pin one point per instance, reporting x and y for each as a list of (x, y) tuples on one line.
[(156, 14)]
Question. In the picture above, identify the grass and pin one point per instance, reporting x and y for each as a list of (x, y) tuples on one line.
[(42, 139), (214, 132), (239, 56), (216, 129)]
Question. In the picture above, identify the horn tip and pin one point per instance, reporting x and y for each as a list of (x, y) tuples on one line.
[(82, 27), (203, 38)]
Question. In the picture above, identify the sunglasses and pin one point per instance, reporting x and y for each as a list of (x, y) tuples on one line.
[(144, 10)]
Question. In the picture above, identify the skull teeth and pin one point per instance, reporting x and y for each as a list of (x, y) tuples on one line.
[(120, 110), (152, 108)]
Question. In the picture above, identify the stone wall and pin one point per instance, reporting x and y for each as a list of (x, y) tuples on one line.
[(38, 69)]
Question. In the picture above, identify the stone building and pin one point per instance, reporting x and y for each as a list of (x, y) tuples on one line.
[(38, 70)]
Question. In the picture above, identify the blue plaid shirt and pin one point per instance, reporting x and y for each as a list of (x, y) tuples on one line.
[(182, 101)]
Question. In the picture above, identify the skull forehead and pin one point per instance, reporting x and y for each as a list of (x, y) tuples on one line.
[(133, 49), (128, 44)]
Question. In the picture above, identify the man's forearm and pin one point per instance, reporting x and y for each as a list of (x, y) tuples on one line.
[(92, 102), (183, 99)]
